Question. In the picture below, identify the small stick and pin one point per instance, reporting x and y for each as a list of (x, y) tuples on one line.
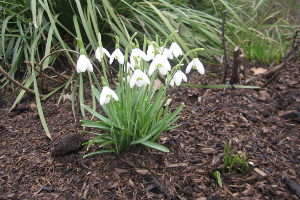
[(16, 82)]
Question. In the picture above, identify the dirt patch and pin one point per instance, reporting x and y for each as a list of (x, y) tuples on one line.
[(253, 121)]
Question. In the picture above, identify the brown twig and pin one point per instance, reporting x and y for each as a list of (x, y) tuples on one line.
[(224, 47), (16, 82), (238, 56)]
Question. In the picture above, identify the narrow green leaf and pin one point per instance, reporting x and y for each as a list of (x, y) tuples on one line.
[(155, 146)]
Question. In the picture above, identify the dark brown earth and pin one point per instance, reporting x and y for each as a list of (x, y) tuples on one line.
[(263, 124)]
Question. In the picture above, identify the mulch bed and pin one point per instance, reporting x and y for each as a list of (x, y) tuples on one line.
[(263, 124)]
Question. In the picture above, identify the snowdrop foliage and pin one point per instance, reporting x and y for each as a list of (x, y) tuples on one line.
[(195, 64), (106, 95), (135, 113), (83, 64)]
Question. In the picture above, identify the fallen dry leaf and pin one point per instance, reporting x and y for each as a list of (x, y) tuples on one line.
[(258, 71)]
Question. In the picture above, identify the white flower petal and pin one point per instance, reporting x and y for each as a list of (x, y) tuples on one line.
[(106, 95), (195, 64), (139, 79), (99, 53), (117, 54), (176, 50), (160, 62), (150, 52), (179, 76), (83, 64), (105, 52)]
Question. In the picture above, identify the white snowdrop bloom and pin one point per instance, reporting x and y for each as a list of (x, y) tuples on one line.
[(178, 77), (100, 52), (106, 95), (139, 79), (195, 64), (117, 54), (166, 52), (83, 64), (176, 50), (161, 63), (136, 56), (150, 52)]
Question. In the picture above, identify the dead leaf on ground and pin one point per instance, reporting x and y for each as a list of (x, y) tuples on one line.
[(258, 71)]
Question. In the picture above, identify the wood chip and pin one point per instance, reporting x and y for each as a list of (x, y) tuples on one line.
[(142, 171), (177, 165), (260, 172)]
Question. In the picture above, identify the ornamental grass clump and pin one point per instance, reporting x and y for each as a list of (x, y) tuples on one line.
[(135, 111)]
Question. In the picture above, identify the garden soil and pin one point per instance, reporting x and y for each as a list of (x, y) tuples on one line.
[(264, 124)]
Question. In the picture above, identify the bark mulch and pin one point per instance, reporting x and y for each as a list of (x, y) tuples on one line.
[(263, 124)]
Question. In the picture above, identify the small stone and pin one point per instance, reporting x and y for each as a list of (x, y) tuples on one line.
[(47, 189), (77, 180)]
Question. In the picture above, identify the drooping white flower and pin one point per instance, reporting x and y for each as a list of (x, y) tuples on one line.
[(178, 77), (195, 64), (166, 52), (176, 50), (161, 63), (139, 79), (117, 54), (106, 95), (150, 52), (136, 56), (83, 64), (100, 52)]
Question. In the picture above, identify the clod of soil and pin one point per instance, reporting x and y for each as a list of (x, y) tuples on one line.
[(67, 144)]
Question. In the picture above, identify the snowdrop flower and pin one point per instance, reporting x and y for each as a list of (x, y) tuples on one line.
[(150, 52), (136, 56), (100, 52), (166, 52), (161, 63), (195, 64), (178, 77), (117, 54), (84, 64), (176, 50), (106, 95), (139, 79)]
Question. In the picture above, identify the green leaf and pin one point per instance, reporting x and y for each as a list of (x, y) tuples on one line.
[(217, 176), (98, 152), (155, 146)]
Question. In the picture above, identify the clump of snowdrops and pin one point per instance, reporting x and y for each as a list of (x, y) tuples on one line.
[(136, 112)]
